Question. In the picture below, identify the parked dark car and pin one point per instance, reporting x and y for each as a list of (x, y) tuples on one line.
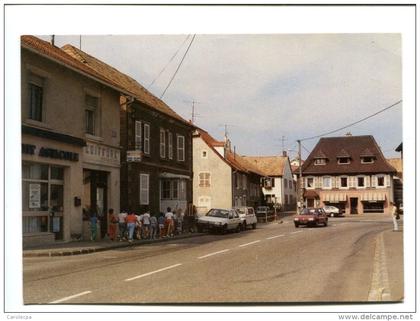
[(311, 217)]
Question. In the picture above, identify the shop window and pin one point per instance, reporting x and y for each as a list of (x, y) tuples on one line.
[(57, 173), (174, 189)]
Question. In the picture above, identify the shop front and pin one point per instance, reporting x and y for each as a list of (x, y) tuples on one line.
[(173, 192), (49, 186)]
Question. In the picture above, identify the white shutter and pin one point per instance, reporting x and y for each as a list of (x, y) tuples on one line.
[(351, 181), (374, 181), (144, 189), (387, 181), (333, 182), (367, 181)]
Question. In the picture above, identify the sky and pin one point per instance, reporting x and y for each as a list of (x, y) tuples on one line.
[(269, 89)]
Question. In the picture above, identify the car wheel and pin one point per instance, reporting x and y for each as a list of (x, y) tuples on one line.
[(296, 225), (254, 226), (239, 228), (244, 226), (224, 229), (325, 223)]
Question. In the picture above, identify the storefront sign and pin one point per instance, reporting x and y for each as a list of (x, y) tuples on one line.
[(134, 156), (50, 152), (34, 195)]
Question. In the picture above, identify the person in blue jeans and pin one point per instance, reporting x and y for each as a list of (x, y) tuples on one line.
[(93, 226), (131, 225)]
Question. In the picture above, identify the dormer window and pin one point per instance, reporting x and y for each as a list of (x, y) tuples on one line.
[(367, 160), (343, 160), (320, 161)]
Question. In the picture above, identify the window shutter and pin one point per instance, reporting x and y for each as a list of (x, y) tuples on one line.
[(351, 181), (387, 181), (374, 181), (367, 181), (144, 189), (138, 135), (333, 182), (146, 146)]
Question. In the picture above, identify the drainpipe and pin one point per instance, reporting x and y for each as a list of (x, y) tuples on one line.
[(128, 101)]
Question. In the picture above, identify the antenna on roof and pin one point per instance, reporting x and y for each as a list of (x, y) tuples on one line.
[(193, 113), (80, 42), (53, 40)]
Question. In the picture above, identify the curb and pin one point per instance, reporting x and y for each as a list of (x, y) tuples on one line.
[(79, 251)]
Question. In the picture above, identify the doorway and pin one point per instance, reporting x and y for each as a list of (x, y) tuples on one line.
[(95, 183), (353, 205)]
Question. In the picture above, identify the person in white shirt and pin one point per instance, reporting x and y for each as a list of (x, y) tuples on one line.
[(169, 222), (122, 226), (146, 225)]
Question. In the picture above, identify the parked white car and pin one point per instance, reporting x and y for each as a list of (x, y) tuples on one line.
[(221, 220), (332, 210), (248, 217)]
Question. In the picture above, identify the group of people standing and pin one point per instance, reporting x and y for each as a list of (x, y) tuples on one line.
[(145, 226)]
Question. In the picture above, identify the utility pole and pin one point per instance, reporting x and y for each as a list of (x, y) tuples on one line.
[(300, 180)]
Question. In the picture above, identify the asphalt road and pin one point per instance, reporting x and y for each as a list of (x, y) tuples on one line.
[(274, 263)]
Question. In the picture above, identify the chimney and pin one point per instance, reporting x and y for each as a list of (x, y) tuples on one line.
[(284, 153), (53, 40)]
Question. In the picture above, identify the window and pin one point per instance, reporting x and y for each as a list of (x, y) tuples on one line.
[(344, 160), (361, 181), (181, 148), (367, 160), (381, 181), (35, 102), (320, 161), (343, 182), (290, 184), (144, 189), (285, 183), (162, 144), (204, 179), (146, 144), (309, 182), (137, 135), (170, 146), (326, 182), (174, 189), (91, 104), (204, 154), (166, 189), (42, 191), (243, 181), (237, 181)]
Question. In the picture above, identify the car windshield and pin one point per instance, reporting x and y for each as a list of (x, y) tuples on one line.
[(218, 213), (240, 210), (308, 211)]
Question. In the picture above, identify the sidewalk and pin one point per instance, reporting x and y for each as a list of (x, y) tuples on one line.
[(85, 247), (394, 250)]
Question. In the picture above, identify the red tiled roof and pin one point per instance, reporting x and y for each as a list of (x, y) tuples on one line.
[(234, 160), (269, 165), (354, 146), (87, 64), (396, 163)]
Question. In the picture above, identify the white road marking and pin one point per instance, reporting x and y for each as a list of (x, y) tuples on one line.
[(273, 237), (214, 253), (70, 297), (246, 244), (153, 272), (296, 232)]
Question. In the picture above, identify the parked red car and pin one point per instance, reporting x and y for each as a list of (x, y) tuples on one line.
[(311, 217)]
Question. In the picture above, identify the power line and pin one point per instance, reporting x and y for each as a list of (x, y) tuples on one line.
[(170, 60), (176, 71), (359, 121)]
